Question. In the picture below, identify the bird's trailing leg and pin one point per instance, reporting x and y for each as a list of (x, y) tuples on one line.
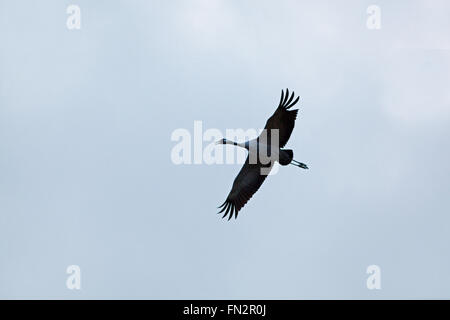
[(299, 164)]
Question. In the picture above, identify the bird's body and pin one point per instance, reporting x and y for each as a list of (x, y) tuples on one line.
[(255, 148), (262, 153)]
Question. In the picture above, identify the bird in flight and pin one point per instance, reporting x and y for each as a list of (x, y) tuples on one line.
[(262, 153)]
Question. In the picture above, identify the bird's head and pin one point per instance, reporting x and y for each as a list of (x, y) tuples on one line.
[(222, 141)]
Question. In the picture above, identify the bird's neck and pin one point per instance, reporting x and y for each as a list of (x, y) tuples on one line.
[(235, 143)]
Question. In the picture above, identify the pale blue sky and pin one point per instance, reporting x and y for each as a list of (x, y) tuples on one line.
[(86, 177)]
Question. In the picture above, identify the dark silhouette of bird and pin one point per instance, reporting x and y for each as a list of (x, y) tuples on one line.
[(262, 153)]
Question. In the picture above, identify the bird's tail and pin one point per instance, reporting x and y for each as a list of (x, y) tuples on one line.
[(286, 156)]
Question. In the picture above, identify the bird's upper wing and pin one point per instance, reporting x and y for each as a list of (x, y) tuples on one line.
[(283, 119), (247, 182)]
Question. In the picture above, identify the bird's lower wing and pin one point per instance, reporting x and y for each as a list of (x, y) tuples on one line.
[(247, 182)]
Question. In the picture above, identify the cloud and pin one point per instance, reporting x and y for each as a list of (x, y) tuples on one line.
[(416, 86)]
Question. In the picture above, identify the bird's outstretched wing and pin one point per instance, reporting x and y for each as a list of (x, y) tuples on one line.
[(283, 119), (244, 187)]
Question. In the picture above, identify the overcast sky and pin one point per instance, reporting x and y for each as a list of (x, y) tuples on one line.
[(86, 177)]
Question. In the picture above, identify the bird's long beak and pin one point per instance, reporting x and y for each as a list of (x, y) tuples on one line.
[(218, 142)]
